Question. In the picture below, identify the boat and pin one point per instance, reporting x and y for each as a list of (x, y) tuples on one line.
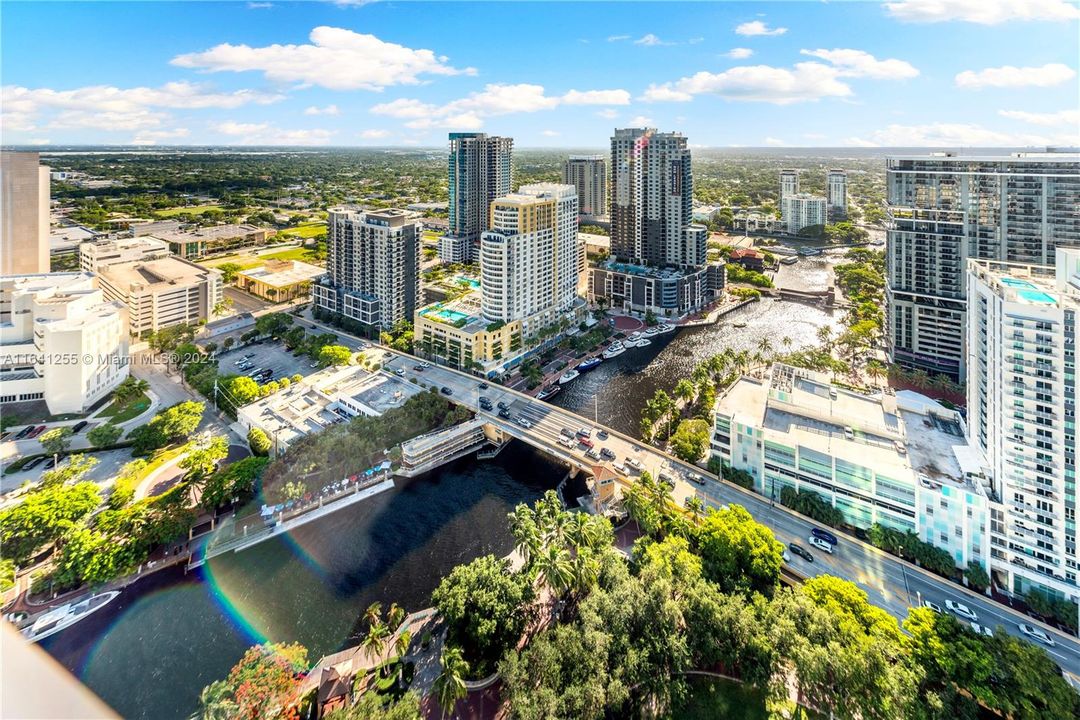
[(654, 330), (643, 342), (634, 337), (568, 376), (806, 250), (614, 350), (67, 615), (739, 324), (790, 260), (589, 364), (665, 328), (550, 391)]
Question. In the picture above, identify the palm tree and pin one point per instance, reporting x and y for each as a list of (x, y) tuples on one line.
[(695, 506), (586, 570), (450, 685), (373, 613), (785, 341), (555, 568), (875, 370), (402, 642), (764, 346), (824, 336), (375, 639), (395, 615), (215, 703)]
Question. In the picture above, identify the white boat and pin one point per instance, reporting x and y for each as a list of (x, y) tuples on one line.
[(644, 342), (665, 328), (614, 350), (654, 330), (570, 374), (65, 616), (634, 337)]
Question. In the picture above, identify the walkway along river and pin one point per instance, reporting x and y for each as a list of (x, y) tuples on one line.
[(151, 651)]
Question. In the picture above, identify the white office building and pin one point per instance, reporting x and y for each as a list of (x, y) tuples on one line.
[(588, 173), (1021, 396), (836, 194), (789, 183), (801, 211), (945, 208), (95, 256), (61, 341), (373, 264)]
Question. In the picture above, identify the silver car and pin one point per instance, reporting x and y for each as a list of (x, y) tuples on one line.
[(1035, 633), (962, 610)]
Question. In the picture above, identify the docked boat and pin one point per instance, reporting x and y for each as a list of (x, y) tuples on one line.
[(739, 324), (550, 391), (589, 364), (65, 616), (615, 349), (654, 330), (665, 328), (634, 337), (644, 342), (568, 376), (790, 260)]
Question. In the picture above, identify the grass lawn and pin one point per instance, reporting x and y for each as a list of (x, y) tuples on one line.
[(306, 230), (193, 209), (127, 410), (712, 698), (302, 254)]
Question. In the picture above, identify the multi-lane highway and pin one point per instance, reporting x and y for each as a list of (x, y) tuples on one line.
[(890, 583)]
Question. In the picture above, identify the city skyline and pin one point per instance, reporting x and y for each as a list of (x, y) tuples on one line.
[(753, 74)]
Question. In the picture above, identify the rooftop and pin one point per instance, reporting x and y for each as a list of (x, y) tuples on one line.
[(1036, 285), (213, 232), (283, 273), (158, 273)]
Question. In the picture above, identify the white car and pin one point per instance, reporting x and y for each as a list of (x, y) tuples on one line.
[(825, 547), (962, 610), (981, 630), (1036, 634), (523, 422), (933, 606)]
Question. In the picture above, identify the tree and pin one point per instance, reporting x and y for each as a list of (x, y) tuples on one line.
[(56, 441), (484, 605), (228, 342), (555, 568), (235, 480), (104, 435), (43, 516), (228, 272), (273, 324), (739, 553), (375, 640), (176, 423), (976, 576), (335, 355), (130, 388), (76, 467), (201, 462), (370, 706), (450, 684), (690, 440), (294, 490), (259, 442), (263, 684)]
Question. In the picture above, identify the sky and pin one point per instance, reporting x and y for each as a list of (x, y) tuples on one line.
[(949, 73)]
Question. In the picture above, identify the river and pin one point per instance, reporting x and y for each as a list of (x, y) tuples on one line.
[(150, 652), (617, 390)]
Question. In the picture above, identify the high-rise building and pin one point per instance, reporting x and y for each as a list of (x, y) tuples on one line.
[(659, 262), (588, 173), (789, 182), (479, 170), (373, 266), (836, 194), (945, 208), (24, 214), (63, 341), (801, 211), (529, 257), (1021, 399)]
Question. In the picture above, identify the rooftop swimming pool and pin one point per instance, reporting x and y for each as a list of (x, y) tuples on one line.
[(450, 316), (1037, 297), (475, 284), (1017, 283)]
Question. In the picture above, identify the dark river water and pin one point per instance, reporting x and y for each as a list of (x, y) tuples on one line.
[(150, 652)]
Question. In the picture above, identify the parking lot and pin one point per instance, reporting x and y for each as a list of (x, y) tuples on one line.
[(266, 354)]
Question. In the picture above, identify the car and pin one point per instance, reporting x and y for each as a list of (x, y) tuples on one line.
[(797, 549), (34, 463), (426, 365), (585, 442), (50, 463), (255, 373), (1036, 634), (313, 365), (592, 454), (418, 368), (585, 432), (664, 478), (981, 630), (37, 431), (695, 478), (446, 391), (636, 464), (567, 432), (249, 355), (566, 443), (607, 454), (959, 608), (785, 556), (502, 405), (824, 535), (523, 421), (78, 426), (239, 362), (929, 605), (24, 432), (820, 544), (485, 401), (400, 372), (601, 435), (483, 386), (505, 414)]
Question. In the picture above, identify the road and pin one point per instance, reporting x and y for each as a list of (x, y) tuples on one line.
[(890, 583)]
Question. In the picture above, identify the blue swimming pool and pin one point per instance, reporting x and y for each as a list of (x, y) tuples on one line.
[(1038, 297), (1017, 283)]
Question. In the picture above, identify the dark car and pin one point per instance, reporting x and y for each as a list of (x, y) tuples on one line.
[(802, 552), (483, 386), (78, 426), (607, 454), (446, 391), (24, 432), (505, 414), (824, 535), (601, 435), (37, 431), (34, 463), (567, 432), (249, 355), (50, 463), (503, 406)]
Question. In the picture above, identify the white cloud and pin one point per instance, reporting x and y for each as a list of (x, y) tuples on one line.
[(617, 38), (608, 113), (955, 135), (1009, 76), (695, 40), (857, 63), (739, 53), (983, 12), (152, 137), (38, 141), (640, 121), (374, 134), (267, 134), (468, 113), (337, 59), (551, 133), (596, 97), (1062, 117), (775, 142), (650, 40), (757, 83), (757, 27), (259, 5), (328, 110)]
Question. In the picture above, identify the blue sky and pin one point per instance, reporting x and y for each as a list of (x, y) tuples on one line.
[(906, 72)]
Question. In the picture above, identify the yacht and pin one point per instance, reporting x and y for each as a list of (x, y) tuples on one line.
[(550, 391), (589, 364), (654, 330), (615, 349), (665, 328), (739, 324), (568, 376), (65, 616), (634, 337), (643, 342)]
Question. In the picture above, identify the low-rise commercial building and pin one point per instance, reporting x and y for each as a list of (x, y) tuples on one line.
[(61, 341), (95, 256), (898, 460), (280, 280), (212, 240)]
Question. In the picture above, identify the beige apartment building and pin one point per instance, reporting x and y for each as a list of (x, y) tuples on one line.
[(24, 214)]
